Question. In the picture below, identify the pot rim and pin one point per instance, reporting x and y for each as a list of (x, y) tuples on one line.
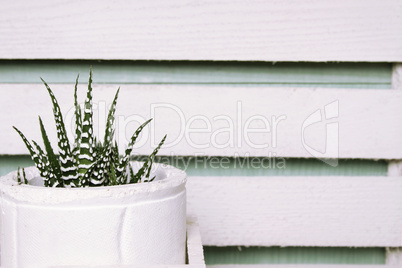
[(171, 180)]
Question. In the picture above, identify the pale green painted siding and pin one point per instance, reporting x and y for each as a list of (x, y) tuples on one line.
[(293, 255), (340, 75), (349, 75), (202, 167)]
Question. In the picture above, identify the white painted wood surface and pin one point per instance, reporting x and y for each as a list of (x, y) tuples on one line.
[(343, 30), (393, 256), (396, 82), (325, 211), (368, 125), (195, 252)]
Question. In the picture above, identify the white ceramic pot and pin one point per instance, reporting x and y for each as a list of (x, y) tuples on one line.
[(116, 225)]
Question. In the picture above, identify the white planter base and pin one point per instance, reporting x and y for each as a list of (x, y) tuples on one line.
[(195, 252), (134, 224)]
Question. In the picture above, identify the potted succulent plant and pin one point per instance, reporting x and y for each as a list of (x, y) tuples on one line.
[(89, 205)]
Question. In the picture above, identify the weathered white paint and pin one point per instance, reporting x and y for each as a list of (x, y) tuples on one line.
[(394, 255), (394, 168), (368, 125), (396, 82), (324, 211), (137, 224), (195, 252), (343, 30)]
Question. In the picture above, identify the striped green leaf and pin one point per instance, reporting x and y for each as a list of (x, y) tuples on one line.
[(98, 172), (24, 176), (87, 143), (109, 132), (67, 166), (48, 173), (54, 162), (78, 123), (124, 160), (145, 170), (19, 176), (34, 154), (23, 179)]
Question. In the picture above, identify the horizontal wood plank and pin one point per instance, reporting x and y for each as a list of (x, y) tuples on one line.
[(222, 120), (320, 211), (195, 253), (203, 30)]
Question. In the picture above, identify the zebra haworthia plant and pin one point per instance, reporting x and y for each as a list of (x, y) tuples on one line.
[(87, 162)]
